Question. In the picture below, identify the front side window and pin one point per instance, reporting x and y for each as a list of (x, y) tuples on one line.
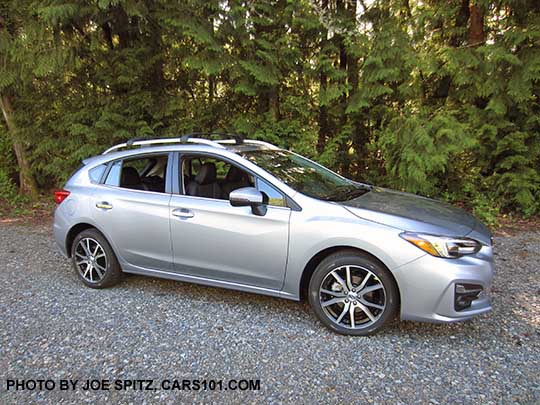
[(210, 177), (305, 176), (146, 173)]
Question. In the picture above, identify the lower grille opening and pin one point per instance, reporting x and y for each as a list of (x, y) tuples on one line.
[(465, 294)]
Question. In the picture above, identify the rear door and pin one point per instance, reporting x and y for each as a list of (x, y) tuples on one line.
[(212, 239), (132, 208)]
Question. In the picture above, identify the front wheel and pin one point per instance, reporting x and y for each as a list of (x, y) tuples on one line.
[(353, 294), (94, 260)]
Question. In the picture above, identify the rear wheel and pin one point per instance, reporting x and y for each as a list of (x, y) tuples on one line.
[(353, 294), (94, 260)]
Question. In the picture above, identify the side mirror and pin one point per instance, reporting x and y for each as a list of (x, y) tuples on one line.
[(248, 197)]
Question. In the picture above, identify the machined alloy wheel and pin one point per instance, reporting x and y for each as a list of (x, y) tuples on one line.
[(352, 296), (353, 293), (91, 260), (94, 260)]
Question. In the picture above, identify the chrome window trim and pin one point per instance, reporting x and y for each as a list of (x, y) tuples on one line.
[(133, 190), (224, 201)]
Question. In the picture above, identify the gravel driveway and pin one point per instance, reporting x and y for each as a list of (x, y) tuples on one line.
[(55, 328)]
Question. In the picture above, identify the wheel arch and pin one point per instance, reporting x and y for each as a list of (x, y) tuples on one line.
[(323, 254), (77, 229)]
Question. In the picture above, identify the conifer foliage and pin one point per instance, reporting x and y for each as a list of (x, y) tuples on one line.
[(437, 97)]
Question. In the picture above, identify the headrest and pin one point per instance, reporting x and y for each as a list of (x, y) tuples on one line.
[(207, 174), (235, 174), (130, 176)]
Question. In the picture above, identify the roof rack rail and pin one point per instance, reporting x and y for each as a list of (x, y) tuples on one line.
[(250, 141), (191, 137), (224, 135)]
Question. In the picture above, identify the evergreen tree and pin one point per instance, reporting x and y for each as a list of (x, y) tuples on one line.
[(433, 97)]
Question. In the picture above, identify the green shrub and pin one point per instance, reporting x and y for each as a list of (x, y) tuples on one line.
[(8, 190), (486, 209)]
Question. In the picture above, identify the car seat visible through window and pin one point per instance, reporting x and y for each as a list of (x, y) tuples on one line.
[(234, 179), (205, 183)]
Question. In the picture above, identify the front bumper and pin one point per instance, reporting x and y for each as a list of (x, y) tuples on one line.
[(428, 286)]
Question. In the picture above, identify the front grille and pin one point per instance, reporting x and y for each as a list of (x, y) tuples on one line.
[(465, 294)]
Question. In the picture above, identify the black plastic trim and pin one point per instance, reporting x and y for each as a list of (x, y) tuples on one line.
[(466, 295)]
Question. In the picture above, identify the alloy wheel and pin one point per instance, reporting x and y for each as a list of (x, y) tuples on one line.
[(91, 260), (352, 297)]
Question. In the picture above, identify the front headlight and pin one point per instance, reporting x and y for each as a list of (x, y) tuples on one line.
[(442, 246)]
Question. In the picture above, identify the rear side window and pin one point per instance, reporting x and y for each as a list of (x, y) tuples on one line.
[(146, 173), (96, 173)]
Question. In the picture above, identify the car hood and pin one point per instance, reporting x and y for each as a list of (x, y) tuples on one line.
[(414, 213)]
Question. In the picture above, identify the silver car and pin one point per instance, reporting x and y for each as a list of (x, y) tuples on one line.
[(247, 215)]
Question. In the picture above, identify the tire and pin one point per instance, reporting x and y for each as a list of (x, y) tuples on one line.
[(101, 270), (333, 300)]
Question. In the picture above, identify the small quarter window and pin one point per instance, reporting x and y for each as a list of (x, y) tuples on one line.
[(275, 198), (96, 173)]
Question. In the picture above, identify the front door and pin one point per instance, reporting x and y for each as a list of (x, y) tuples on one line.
[(212, 239)]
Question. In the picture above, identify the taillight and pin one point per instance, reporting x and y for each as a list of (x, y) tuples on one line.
[(60, 195)]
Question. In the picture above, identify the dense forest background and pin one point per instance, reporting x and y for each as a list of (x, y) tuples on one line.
[(437, 97)]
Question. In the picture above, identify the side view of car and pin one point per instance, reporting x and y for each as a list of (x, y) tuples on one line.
[(246, 215)]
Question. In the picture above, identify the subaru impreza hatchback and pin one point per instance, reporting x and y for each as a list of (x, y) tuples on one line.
[(247, 215)]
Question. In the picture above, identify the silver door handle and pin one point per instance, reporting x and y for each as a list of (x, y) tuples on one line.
[(104, 205), (183, 213)]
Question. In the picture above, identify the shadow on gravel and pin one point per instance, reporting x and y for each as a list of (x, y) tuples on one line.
[(277, 307)]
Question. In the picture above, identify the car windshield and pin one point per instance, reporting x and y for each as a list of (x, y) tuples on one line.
[(305, 176)]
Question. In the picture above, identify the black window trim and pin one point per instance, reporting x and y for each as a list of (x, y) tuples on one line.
[(178, 180)]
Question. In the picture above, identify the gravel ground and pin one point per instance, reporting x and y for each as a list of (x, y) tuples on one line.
[(53, 327)]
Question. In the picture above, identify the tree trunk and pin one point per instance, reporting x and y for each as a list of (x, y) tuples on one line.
[(462, 17), (343, 153), (476, 27), (211, 89), (323, 117), (209, 23), (324, 126), (107, 34), (359, 135), (269, 95), (457, 39), (27, 182), (273, 103)]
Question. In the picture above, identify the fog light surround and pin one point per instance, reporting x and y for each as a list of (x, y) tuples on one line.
[(465, 294)]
